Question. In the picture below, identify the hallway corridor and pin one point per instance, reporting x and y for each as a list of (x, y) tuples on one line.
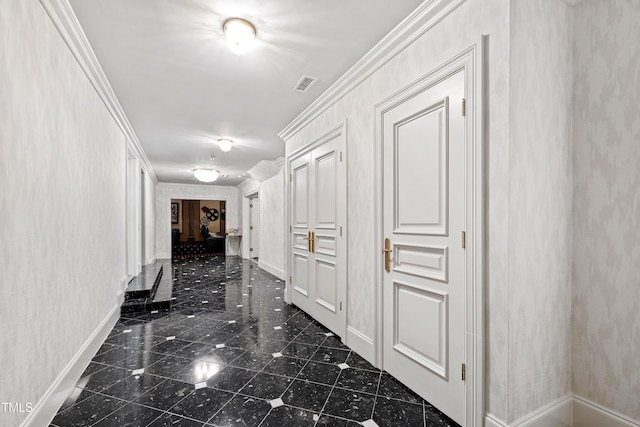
[(230, 352)]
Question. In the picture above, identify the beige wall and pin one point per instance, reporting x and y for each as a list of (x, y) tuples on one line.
[(62, 206), (606, 205)]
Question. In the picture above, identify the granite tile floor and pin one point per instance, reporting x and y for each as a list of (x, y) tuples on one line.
[(231, 352)]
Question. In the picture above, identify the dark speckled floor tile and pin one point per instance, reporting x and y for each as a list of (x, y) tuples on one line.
[(391, 387), (330, 355), (230, 378), (198, 371), (320, 372), (299, 350), (168, 366), (76, 395), (130, 415), (172, 420), (396, 412), (105, 378), (252, 360), (435, 418), (88, 412), (355, 361), (286, 366), (241, 411), (288, 416), (201, 404), (328, 420), (350, 404), (166, 394), (266, 386), (307, 395), (133, 386), (359, 380)]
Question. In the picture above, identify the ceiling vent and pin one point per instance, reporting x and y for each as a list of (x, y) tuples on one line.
[(304, 83)]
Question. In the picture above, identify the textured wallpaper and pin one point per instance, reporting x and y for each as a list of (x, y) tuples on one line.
[(540, 188), (457, 32), (62, 206), (165, 192), (606, 226), (272, 226)]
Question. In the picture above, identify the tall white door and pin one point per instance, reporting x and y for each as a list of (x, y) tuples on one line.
[(316, 207), (254, 227), (423, 218)]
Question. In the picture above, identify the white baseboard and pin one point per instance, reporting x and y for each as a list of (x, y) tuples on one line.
[(590, 414), (491, 420), (278, 272), (568, 411), (555, 414), (44, 411), (361, 344)]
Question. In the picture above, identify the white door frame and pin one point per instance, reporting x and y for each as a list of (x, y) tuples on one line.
[(250, 220), (472, 62), (133, 217), (338, 131)]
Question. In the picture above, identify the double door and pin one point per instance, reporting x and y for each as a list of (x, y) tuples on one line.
[(317, 258)]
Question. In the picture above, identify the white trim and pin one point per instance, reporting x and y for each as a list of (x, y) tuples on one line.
[(65, 20), (492, 421), (278, 272), (44, 411), (472, 62), (360, 343), (340, 130), (554, 414), (421, 20), (589, 414)]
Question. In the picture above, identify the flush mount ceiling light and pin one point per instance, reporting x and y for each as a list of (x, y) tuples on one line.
[(206, 175), (240, 35), (225, 144)]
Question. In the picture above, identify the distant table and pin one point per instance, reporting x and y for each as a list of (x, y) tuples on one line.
[(237, 239)]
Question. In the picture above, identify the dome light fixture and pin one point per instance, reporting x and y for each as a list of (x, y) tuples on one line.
[(206, 175), (225, 144), (240, 35)]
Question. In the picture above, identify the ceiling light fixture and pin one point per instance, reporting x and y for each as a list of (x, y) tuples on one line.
[(225, 144), (240, 35), (206, 175)]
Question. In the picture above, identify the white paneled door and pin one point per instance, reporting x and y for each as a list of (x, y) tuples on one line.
[(317, 258), (423, 141)]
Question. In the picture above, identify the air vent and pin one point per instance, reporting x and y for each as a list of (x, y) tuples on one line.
[(304, 83)]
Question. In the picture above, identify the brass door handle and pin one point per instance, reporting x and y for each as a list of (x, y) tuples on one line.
[(311, 236), (387, 254)]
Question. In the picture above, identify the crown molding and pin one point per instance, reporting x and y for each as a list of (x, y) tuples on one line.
[(427, 15), (266, 169), (571, 3), (67, 24)]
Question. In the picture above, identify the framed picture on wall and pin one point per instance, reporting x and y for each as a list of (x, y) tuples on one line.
[(175, 211)]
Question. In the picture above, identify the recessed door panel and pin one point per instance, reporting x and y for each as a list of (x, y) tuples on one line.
[(420, 170), (326, 284), (325, 244), (301, 200), (326, 208), (300, 274), (422, 261), (421, 326)]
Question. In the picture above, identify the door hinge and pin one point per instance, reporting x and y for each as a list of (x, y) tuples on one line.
[(341, 230), (251, 228), (464, 240), (341, 156), (250, 206), (340, 305), (464, 107), (250, 249), (464, 371), (290, 229), (290, 279), (291, 177)]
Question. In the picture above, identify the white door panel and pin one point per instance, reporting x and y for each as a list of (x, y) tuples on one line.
[(316, 209), (424, 215)]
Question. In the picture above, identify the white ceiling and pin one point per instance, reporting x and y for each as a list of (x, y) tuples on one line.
[(182, 88)]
